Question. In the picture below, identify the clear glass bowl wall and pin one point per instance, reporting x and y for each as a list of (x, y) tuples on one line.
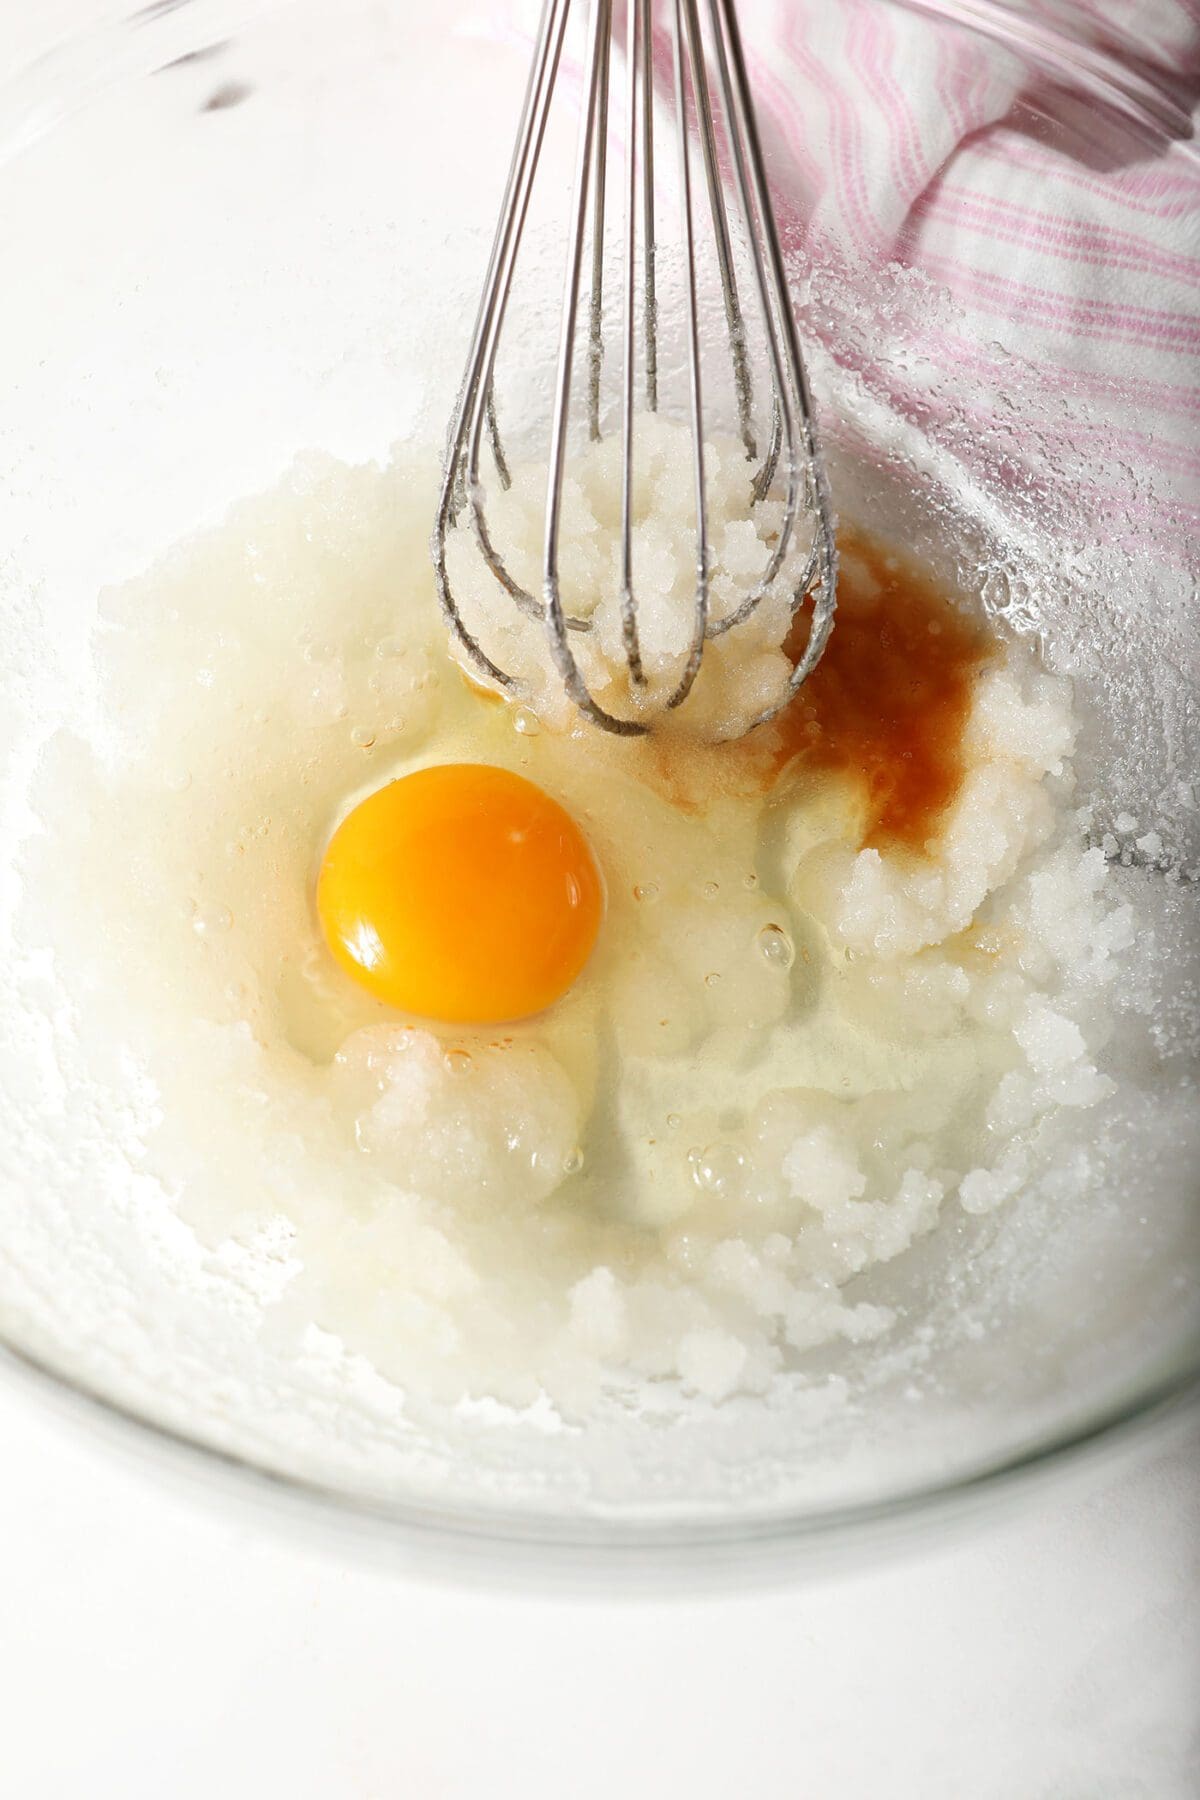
[(240, 232)]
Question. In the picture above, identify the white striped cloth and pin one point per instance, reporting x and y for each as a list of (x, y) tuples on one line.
[(1063, 235), (1059, 236)]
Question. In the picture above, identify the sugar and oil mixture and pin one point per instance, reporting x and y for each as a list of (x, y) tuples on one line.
[(846, 967)]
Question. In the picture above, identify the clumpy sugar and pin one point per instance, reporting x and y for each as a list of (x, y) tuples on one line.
[(848, 970)]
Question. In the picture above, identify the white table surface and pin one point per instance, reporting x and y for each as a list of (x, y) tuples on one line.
[(158, 1644)]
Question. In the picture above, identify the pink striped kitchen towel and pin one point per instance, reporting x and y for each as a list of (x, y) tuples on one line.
[(1061, 233), (1068, 237)]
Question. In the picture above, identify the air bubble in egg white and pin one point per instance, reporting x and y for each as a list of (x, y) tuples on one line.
[(718, 1168), (776, 947)]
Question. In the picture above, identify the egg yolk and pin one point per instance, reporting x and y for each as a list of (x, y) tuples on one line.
[(461, 893)]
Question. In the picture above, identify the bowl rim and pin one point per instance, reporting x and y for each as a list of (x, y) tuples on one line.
[(523, 1548)]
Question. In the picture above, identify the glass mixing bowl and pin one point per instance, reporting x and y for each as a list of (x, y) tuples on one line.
[(237, 231)]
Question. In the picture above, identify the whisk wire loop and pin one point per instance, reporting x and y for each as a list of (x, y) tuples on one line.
[(792, 448)]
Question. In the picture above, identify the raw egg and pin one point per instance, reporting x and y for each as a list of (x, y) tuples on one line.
[(462, 893)]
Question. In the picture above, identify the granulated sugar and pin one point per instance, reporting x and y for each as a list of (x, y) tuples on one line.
[(813, 1031)]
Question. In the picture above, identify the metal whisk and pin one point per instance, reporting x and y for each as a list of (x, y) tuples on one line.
[(791, 456)]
